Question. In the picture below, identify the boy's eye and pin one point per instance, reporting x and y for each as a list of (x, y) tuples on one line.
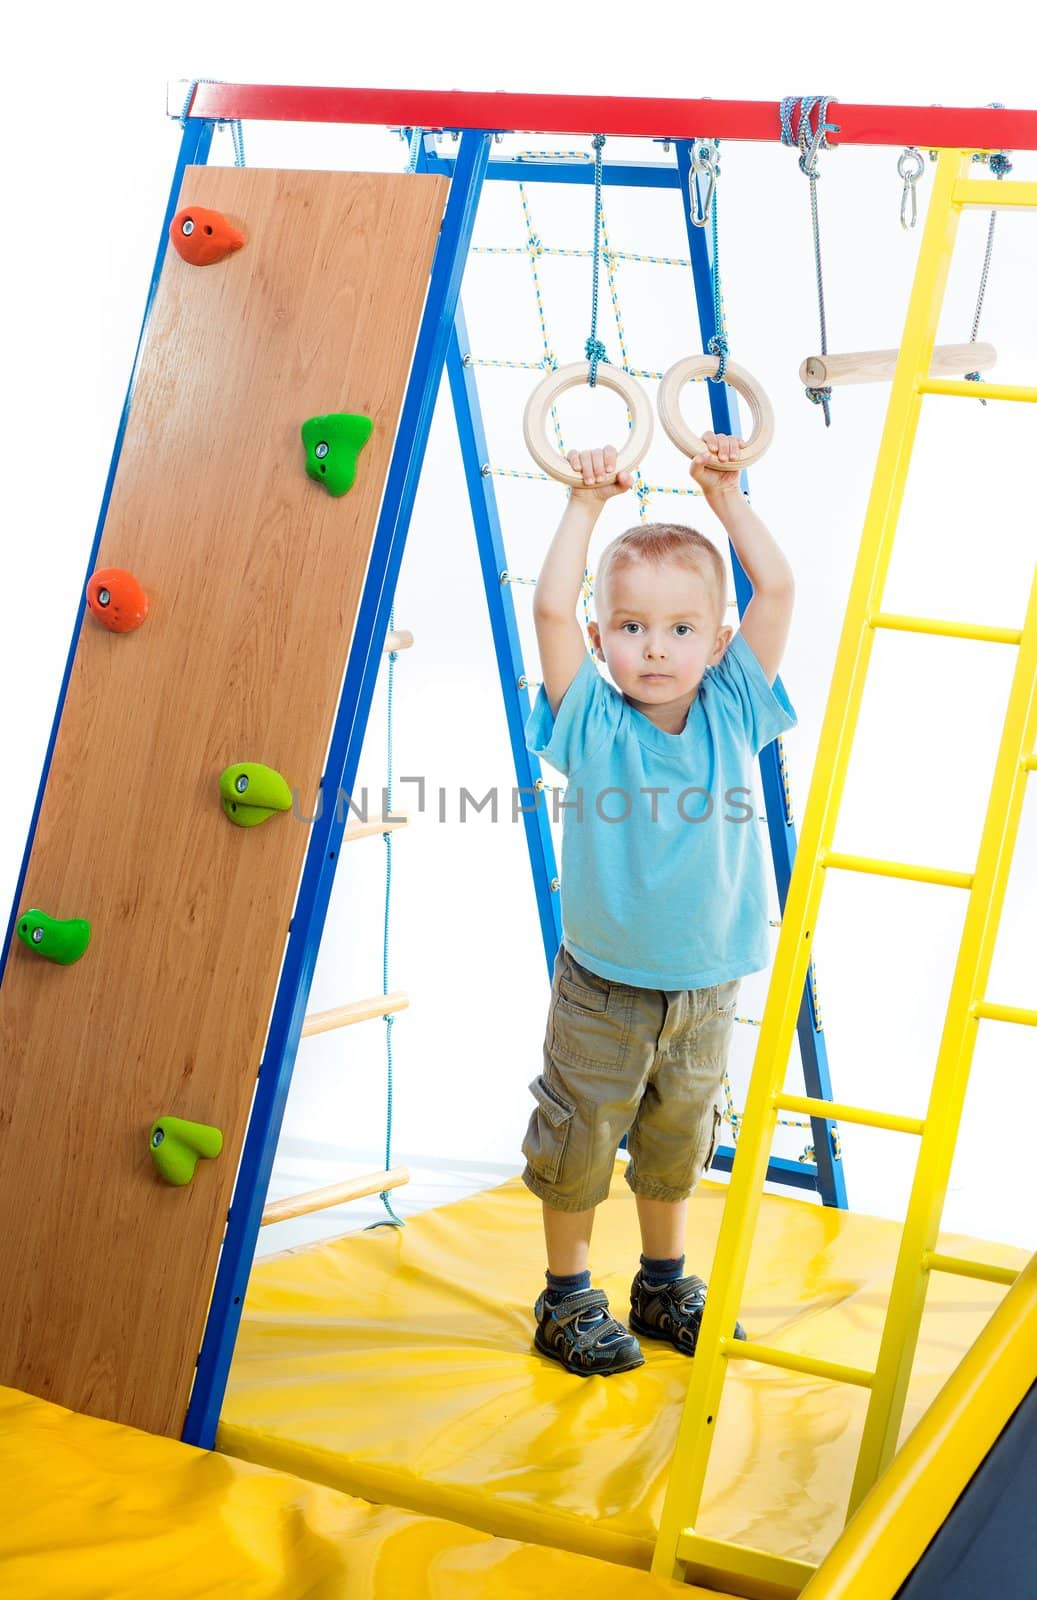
[(682, 628), (627, 625)]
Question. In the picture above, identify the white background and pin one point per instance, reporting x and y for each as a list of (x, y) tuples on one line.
[(90, 153)]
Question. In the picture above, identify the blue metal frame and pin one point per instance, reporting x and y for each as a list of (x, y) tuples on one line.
[(506, 641), (194, 150), (318, 875)]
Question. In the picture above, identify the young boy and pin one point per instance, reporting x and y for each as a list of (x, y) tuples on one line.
[(664, 904)]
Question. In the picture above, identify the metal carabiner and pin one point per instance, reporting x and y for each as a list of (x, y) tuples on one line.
[(703, 160), (910, 166)]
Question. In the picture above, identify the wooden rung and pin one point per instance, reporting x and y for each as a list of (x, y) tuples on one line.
[(356, 1011), (333, 1194), (402, 638), (362, 830), (878, 366)]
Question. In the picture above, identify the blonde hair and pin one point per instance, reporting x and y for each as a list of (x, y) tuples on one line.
[(662, 542)]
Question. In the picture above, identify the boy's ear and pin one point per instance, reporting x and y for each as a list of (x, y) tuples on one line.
[(595, 637), (724, 637)]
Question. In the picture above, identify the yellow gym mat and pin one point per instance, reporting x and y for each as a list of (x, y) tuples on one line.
[(98, 1511), (398, 1366)]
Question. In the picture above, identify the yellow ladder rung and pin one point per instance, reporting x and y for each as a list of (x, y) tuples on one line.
[(837, 1371), (950, 630), (978, 391), (1030, 763), (896, 869), (987, 1008), (960, 1268), (829, 1111), (759, 1574), (992, 195)]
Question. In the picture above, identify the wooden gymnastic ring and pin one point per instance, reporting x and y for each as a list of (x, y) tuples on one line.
[(668, 403), (544, 396)]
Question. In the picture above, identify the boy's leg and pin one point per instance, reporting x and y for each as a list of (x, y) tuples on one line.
[(568, 1236), (663, 1224), (671, 1146)]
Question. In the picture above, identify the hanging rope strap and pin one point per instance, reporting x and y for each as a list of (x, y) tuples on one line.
[(811, 141), (705, 163), (594, 349), (236, 134), (718, 345), (389, 1019), (1000, 166)]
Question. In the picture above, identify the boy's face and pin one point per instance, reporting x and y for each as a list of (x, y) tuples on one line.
[(658, 631)]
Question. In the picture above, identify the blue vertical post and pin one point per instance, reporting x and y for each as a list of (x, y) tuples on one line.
[(506, 643), (826, 1172), (194, 151), (343, 759)]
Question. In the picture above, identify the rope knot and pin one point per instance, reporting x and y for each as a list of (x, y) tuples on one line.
[(598, 141), (594, 350), (718, 346), (822, 397), (534, 244), (999, 164)]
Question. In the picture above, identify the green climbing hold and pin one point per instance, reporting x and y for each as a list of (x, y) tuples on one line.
[(251, 792), (333, 444), (61, 941), (177, 1145)]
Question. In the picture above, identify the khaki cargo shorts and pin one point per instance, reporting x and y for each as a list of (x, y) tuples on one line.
[(621, 1060)]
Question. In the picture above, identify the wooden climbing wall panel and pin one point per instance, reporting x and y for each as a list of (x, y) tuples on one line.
[(254, 575)]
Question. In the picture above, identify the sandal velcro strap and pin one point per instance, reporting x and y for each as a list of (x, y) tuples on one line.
[(687, 1289), (574, 1304)]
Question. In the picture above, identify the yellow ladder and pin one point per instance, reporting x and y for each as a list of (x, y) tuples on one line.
[(681, 1552)]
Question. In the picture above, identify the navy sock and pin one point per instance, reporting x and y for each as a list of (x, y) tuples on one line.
[(654, 1273), (559, 1287)]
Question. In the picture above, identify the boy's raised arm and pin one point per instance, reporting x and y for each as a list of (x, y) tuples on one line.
[(559, 635)]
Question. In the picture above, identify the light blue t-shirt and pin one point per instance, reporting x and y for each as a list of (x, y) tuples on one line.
[(664, 890)]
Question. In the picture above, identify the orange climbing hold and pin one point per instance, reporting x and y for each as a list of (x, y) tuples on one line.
[(203, 237), (116, 599)]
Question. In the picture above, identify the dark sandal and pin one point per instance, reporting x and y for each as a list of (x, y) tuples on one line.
[(671, 1311), (581, 1346)]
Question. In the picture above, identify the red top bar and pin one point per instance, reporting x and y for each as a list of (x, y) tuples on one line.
[(932, 127)]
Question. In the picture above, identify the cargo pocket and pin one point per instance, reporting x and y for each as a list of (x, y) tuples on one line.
[(548, 1132), (589, 1023)]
